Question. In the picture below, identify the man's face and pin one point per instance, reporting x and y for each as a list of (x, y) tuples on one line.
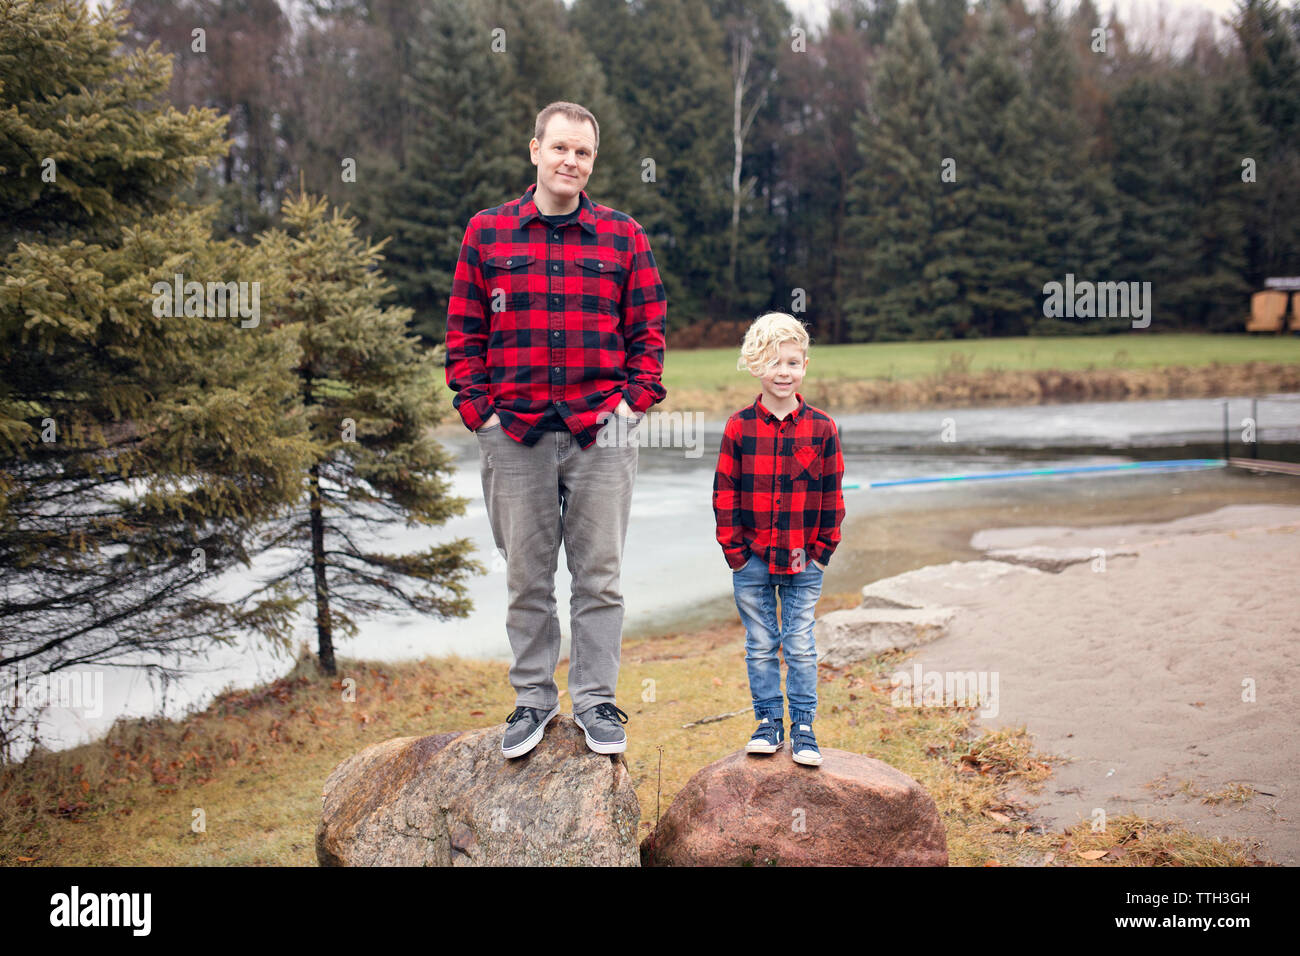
[(564, 159)]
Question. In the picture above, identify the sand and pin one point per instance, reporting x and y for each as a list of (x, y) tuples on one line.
[(1137, 672)]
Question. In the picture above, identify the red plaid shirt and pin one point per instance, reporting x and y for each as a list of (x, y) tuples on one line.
[(571, 315), (776, 490)]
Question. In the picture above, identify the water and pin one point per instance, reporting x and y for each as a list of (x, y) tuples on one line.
[(673, 571)]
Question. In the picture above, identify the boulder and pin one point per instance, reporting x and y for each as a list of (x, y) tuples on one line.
[(857, 633), (769, 811), (454, 800)]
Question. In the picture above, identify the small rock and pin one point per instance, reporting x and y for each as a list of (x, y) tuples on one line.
[(1056, 560), (855, 634), (955, 584)]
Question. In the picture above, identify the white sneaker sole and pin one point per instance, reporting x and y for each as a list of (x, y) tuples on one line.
[(753, 748), (599, 747), (808, 761), (531, 740)]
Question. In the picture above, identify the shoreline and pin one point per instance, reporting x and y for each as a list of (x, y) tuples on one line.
[(990, 389), (1165, 680), (906, 531)]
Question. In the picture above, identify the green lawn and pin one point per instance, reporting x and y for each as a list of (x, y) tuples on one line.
[(715, 368)]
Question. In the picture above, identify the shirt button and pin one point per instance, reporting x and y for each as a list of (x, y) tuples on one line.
[(555, 268), (508, 261)]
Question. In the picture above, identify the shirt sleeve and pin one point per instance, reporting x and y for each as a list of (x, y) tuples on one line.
[(644, 308), (832, 509), (467, 334), (727, 511)]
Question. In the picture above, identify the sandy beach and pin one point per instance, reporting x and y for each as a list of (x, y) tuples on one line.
[(1142, 671)]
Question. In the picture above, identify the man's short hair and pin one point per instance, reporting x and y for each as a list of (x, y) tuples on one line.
[(570, 110)]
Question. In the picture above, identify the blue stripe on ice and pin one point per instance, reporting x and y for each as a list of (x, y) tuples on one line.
[(1181, 464)]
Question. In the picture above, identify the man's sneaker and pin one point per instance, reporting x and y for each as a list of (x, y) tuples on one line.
[(524, 729), (601, 725), (803, 745), (768, 737)]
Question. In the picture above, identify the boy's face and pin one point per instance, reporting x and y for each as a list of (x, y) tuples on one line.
[(782, 380)]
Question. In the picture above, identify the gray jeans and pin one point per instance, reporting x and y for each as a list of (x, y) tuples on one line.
[(537, 497)]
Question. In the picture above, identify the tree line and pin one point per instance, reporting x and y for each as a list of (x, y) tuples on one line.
[(911, 170)]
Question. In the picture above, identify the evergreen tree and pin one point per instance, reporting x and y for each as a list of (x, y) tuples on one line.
[(999, 209), (140, 446), (371, 396), (1078, 199), (1269, 37), (463, 155), (900, 206), (666, 68)]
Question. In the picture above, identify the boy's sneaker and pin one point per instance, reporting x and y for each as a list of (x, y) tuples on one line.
[(601, 725), (768, 737), (524, 729), (803, 745)]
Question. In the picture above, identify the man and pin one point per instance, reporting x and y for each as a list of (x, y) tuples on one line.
[(555, 342)]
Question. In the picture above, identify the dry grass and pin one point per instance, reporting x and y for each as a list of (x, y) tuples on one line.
[(955, 386), (251, 765)]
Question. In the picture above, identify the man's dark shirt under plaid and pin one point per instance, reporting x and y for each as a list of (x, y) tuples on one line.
[(554, 319)]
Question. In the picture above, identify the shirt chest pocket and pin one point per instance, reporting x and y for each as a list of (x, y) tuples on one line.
[(806, 461), (510, 281), (602, 280)]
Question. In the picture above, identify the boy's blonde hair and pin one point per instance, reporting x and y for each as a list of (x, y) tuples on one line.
[(763, 340)]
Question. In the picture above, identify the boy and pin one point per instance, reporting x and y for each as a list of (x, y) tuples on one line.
[(778, 505)]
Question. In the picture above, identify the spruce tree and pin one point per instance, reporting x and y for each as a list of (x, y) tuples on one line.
[(463, 155), (1072, 183), (371, 397), (899, 222), (141, 446), (998, 207)]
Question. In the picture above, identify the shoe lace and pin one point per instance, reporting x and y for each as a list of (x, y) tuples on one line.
[(519, 713), (611, 711)]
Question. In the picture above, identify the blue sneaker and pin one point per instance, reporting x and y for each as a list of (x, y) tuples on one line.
[(768, 737), (803, 745)]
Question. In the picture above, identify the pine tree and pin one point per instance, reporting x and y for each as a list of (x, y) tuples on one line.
[(140, 446), (900, 204), (665, 65), (1002, 219), (1074, 188), (371, 396)]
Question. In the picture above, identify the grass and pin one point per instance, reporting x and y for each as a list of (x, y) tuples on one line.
[(715, 368), (250, 766)]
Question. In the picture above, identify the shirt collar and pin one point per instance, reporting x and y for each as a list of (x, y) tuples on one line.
[(764, 414), (528, 210)]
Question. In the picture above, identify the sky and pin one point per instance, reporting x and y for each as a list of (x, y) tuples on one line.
[(1140, 17)]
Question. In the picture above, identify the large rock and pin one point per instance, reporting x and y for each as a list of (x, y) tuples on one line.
[(454, 800), (857, 633), (769, 811)]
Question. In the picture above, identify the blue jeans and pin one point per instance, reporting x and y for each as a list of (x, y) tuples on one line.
[(756, 589)]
